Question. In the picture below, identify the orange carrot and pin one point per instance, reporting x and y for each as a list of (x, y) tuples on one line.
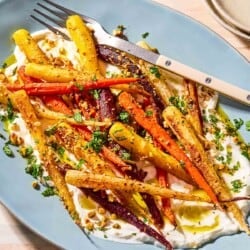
[(166, 205), (161, 135)]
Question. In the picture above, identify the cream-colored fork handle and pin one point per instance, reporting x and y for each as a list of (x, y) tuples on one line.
[(222, 87)]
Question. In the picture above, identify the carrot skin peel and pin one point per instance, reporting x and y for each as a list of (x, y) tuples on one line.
[(161, 135)]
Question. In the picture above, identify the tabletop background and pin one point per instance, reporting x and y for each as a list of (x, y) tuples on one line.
[(14, 235)]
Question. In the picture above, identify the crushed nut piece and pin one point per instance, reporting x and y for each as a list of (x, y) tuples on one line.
[(101, 210), (91, 214), (117, 226), (90, 226)]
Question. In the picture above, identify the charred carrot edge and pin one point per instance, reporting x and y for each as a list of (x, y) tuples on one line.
[(161, 135), (166, 206), (46, 88)]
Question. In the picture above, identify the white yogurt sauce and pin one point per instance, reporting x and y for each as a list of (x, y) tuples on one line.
[(188, 233)]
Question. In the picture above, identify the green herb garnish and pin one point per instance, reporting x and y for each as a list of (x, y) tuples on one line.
[(124, 117), (2, 136), (149, 113), (235, 168), (126, 155), (155, 71), (213, 119), (220, 158), (229, 156), (26, 151), (238, 123), (49, 191), (4, 65), (95, 93), (61, 151), (77, 117), (179, 103), (80, 163), (33, 168), (247, 124), (99, 138), (245, 151), (7, 150), (237, 185), (121, 27), (50, 131), (10, 111), (145, 35)]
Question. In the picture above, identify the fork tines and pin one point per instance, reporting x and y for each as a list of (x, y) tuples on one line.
[(59, 14)]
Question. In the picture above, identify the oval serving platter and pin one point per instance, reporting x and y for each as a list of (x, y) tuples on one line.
[(176, 36)]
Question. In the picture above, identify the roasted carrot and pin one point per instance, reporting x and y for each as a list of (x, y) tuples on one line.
[(187, 136), (162, 136), (193, 108), (72, 140), (106, 152), (29, 47), (104, 182), (166, 204), (22, 77), (47, 88), (56, 103)]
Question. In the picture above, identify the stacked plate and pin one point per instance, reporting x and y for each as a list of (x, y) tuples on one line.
[(233, 15)]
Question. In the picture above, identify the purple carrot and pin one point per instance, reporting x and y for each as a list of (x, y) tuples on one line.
[(115, 57), (106, 103), (139, 175), (153, 209), (125, 214)]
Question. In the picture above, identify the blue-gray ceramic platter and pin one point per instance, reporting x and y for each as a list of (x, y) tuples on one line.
[(174, 35)]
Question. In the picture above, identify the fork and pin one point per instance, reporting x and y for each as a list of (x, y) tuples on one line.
[(103, 37)]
